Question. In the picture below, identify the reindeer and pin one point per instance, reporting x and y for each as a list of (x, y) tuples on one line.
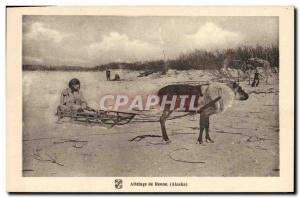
[(207, 95)]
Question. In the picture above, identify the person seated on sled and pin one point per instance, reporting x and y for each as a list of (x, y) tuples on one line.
[(72, 98)]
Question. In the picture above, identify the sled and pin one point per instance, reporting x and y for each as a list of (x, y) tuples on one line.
[(192, 82), (96, 117)]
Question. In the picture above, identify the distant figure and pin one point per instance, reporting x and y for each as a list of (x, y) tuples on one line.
[(117, 77), (107, 74), (71, 98), (255, 82)]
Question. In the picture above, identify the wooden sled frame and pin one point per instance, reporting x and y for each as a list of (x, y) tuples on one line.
[(100, 117)]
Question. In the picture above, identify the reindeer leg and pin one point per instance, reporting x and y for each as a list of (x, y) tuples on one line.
[(202, 127), (207, 137), (162, 120), (200, 141)]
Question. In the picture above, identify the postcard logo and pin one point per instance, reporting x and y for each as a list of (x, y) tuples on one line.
[(148, 102)]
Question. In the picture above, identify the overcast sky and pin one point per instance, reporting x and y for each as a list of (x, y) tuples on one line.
[(94, 40)]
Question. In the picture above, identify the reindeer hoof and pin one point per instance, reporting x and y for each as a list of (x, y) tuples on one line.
[(199, 142), (209, 141), (167, 141)]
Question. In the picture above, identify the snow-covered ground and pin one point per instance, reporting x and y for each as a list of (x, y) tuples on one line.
[(246, 135)]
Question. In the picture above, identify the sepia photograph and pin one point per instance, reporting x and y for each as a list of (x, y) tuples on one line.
[(70, 62), (151, 96)]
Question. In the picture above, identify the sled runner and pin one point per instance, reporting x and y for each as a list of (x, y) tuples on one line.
[(99, 117)]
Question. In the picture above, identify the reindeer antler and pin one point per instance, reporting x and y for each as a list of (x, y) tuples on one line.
[(222, 72)]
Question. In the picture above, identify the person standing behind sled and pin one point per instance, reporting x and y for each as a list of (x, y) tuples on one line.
[(107, 74), (71, 98)]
